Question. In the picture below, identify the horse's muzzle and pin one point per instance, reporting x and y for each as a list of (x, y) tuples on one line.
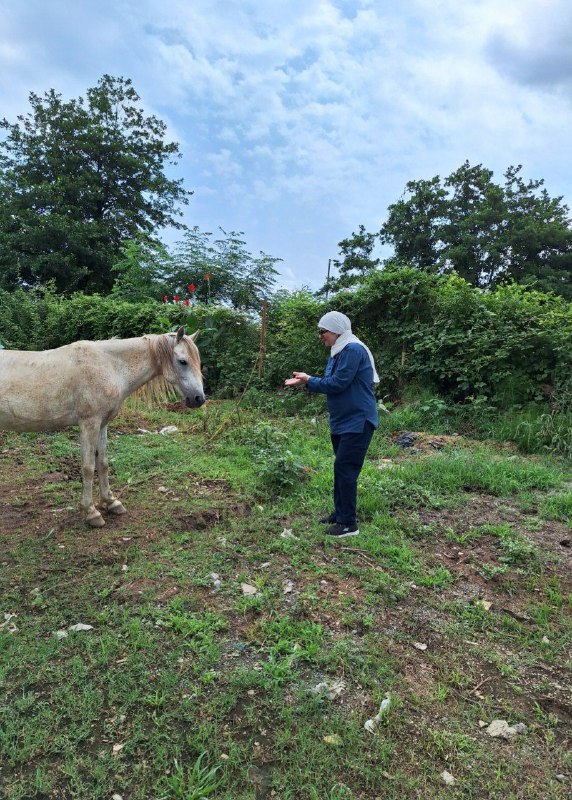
[(195, 402)]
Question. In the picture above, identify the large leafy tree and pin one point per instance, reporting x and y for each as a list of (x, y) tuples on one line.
[(77, 179), (487, 233)]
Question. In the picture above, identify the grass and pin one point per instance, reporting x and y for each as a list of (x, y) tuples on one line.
[(454, 600)]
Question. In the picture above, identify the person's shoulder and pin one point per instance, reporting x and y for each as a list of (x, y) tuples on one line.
[(355, 348)]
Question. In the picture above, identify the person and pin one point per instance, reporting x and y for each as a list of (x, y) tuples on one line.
[(348, 385)]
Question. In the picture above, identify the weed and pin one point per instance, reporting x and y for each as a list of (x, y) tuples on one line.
[(198, 783)]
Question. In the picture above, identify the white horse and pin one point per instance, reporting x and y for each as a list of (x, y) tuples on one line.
[(84, 384)]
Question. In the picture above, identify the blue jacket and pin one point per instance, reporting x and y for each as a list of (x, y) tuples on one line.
[(348, 384)]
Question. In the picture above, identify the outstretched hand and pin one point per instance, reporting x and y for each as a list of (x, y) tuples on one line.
[(299, 379)]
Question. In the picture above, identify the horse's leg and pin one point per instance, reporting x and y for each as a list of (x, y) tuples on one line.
[(113, 505), (89, 432)]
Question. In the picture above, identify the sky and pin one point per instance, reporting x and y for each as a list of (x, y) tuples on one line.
[(299, 120)]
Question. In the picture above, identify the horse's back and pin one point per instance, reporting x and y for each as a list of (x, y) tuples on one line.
[(51, 389)]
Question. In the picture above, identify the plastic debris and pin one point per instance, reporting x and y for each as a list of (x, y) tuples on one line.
[(169, 429), (484, 604), (61, 634), (500, 729), (288, 587), (80, 626), (330, 690), (406, 439), (420, 646), (8, 624), (371, 724), (287, 534)]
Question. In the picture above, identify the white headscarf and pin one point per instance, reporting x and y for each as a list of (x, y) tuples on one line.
[(336, 322)]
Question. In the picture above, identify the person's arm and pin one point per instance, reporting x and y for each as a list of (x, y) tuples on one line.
[(345, 372)]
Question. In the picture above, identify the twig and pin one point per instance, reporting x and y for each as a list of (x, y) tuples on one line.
[(362, 554)]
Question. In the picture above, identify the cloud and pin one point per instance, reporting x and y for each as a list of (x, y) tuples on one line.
[(535, 48)]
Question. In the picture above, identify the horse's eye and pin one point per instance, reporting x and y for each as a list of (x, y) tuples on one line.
[(183, 362)]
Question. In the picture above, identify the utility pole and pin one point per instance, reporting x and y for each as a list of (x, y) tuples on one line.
[(328, 278)]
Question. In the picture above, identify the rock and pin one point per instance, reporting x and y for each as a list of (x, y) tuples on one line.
[(80, 627), (448, 778), (499, 728), (248, 589)]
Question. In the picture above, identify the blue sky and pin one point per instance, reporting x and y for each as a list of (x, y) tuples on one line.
[(299, 120)]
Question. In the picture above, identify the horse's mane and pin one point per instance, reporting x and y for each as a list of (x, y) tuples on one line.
[(158, 391)]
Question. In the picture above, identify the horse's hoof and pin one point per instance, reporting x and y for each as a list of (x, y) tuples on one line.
[(95, 520), (116, 507)]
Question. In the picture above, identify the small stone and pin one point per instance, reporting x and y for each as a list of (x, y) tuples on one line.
[(545, 640), (448, 778), (248, 589), (561, 778), (499, 728), (116, 797)]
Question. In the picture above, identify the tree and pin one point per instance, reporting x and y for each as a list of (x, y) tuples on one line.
[(485, 232), (141, 270), (77, 179), (356, 261), (235, 277)]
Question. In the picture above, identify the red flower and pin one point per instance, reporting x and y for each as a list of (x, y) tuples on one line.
[(207, 277), (187, 303), (192, 287), (176, 298), (166, 298)]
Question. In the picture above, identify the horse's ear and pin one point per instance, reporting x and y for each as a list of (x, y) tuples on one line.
[(194, 335), (180, 334)]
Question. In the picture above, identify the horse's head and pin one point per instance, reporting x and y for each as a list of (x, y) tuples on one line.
[(183, 368)]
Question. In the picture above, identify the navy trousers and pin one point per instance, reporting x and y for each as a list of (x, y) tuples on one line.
[(350, 450)]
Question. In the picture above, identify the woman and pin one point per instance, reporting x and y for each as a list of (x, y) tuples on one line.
[(348, 385)]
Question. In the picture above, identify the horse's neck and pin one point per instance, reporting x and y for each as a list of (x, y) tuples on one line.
[(137, 356)]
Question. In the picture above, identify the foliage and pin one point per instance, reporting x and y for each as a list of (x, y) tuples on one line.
[(485, 232), (293, 342), (279, 470), (511, 345), (356, 261), (78, 178), (221, 271), (198, 783), (141, 270)]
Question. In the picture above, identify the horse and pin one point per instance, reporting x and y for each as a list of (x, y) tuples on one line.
[(84, 384)]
